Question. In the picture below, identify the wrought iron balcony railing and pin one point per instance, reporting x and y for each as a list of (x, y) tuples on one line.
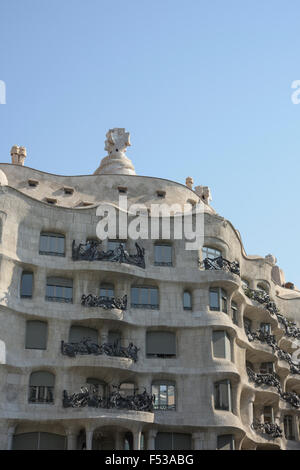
[(272, 380), (264, 337), (86, 347), (113, 400), (221, 264), (271, 429), (91, 251), (263, 298), (104, 302)]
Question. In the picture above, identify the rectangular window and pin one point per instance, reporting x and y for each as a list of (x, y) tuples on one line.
[(52, 244), (26, 285), (223, 395), (214, 301), (36, 335), (234, 311), (289, 428), (173, 441), (144, 297), (163, 255), (218, 299), (221, 345), (41, 394), (225, 442), (267, 368), (107, 291), (164, 396), (266, 328), (247, 324), (160, 344), (268, 414), (59, 290), (210, 253)]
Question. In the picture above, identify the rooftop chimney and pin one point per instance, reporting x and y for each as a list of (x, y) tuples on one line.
[(18, 155)]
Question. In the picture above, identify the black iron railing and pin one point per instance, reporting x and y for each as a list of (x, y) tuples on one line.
[(113, 400), (290, 327), (221, 264), (87, 347), (271, 429), (273, 380), (91, 251), (269, 379), (104, 302), (264, 337)]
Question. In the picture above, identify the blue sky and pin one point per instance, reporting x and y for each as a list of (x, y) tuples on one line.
[(204, 87)]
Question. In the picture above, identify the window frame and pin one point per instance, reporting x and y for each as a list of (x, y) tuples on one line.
[(52, 235), (161, 355), (59, 298), (164, 256), (222, 299), (148, 305), (26, 273), (207, 254), (219, 395), (157, 404), (45, 324)]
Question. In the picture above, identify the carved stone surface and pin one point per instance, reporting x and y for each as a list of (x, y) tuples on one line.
[(86, 346), (104, 302), (90, 397), (91, 251), (222, 264), (271, 429), (117, 140)]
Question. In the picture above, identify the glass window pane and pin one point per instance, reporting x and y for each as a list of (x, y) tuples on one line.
[(153, 297), (43, 243), (134, 295), (187, 301), (144, 296), (26, 285), (36, 335), (214, 299)]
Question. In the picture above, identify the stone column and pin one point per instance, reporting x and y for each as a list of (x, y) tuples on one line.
[(198, 439), (10, 435), (71, 440), (89, 439), (119, 441), (137, 440), (151, 435)]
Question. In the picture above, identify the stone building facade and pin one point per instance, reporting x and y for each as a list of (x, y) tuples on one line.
[(115, 345)]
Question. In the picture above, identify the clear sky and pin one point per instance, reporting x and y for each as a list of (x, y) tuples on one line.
[(204, 87)]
